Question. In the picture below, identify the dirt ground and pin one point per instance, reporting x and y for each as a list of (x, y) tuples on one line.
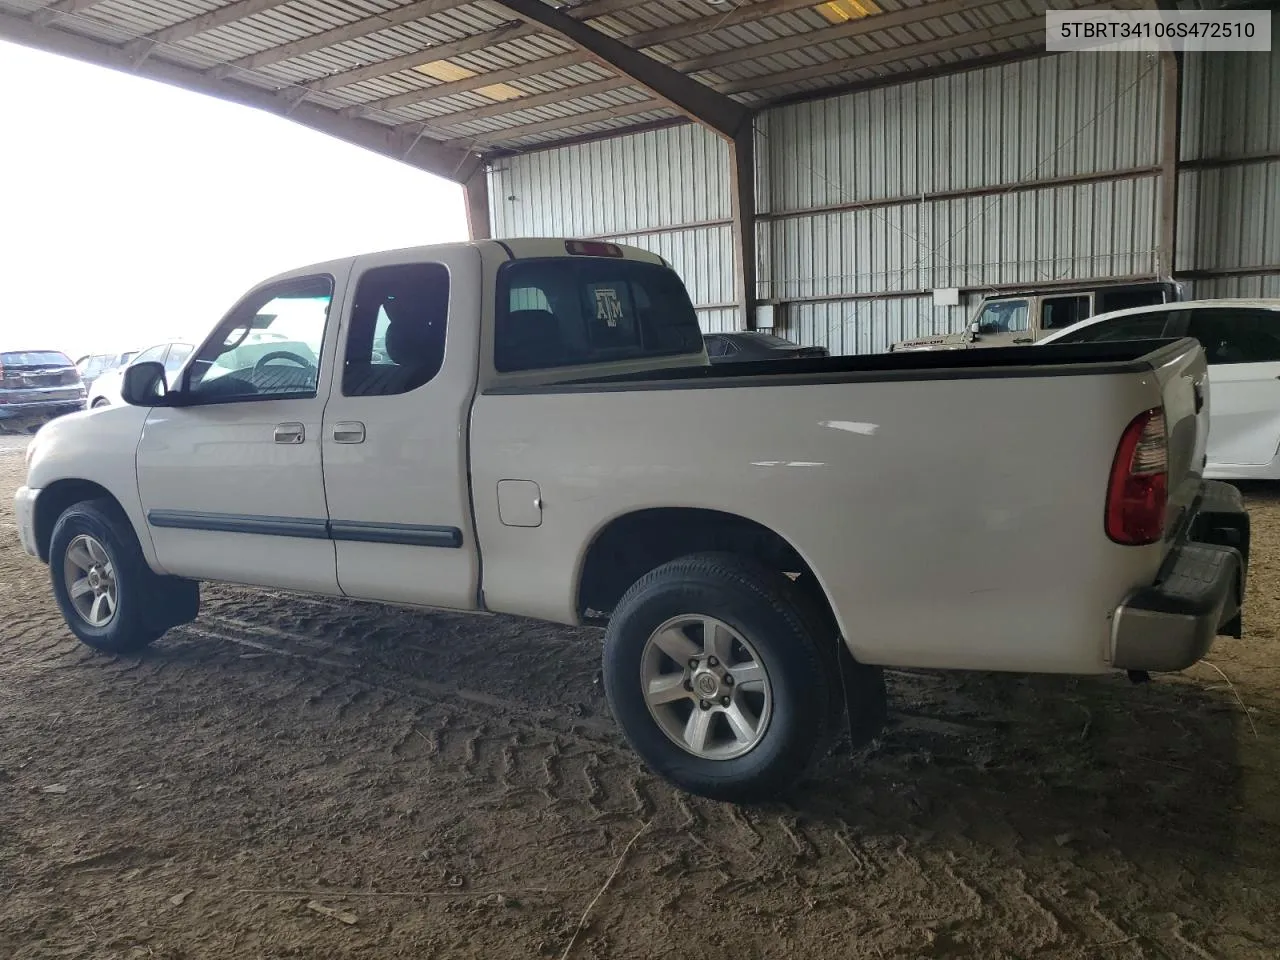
[(456, 788)]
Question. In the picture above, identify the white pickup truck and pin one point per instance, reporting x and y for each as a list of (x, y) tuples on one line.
[(532, 427)]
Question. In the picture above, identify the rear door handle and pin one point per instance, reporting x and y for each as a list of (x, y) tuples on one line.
[(290, 433), (350, 431)]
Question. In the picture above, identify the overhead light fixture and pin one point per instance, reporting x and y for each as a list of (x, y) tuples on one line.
[(841, 11), (500, 91), (444, 71)]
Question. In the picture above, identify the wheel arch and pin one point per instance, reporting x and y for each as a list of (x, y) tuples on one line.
[(630, 545), (54, 501)]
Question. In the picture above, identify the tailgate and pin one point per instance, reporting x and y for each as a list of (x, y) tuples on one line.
[(1184, 388)]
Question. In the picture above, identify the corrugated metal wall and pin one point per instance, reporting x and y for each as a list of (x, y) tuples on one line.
[(666, 191), (891, 160), (1048, 117), (1229, 198), (1041, 171), (1056, 233)]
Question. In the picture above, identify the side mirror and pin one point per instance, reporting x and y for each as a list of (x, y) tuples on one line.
[(975, 327), (144, 384)]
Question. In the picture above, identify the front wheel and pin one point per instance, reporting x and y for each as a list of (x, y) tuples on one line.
[(718, 679), (109, 597)]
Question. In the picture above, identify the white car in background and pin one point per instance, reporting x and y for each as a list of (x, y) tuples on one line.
[(1241, 340), (94, 365), (105, 390)]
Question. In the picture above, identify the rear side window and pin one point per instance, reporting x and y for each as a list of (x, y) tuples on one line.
[(396, 343), (1229, 335), (1124, 299), (35, 358), (1058, 313), (1142, 326), (566, 312)]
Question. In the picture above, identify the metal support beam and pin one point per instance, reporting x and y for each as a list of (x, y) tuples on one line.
[(742, 197), (213, 20), (531, 68), (562, 95), (46, 15), (476, 193), (429, 155), (1016, 29), (751, 84), (508, 134), (336, 35), (440, 51), (700, 103), (1170, 148), (391, 18), (811, 38)]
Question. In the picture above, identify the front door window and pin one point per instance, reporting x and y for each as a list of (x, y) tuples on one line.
[(267, 348)]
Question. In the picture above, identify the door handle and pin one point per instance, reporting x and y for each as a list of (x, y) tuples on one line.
[(350, 431), (290, 433)]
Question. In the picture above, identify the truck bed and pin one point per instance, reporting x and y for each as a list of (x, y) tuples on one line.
[(1080, 359), (947, 502)]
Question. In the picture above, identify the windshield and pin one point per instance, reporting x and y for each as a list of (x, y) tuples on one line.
[(1003, 316)]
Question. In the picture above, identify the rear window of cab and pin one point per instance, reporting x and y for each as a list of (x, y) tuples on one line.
[(563, 312)]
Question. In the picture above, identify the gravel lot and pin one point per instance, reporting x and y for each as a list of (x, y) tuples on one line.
[(456, 788)]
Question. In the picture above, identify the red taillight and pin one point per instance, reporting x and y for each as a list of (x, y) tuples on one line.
[(1139, 488), (592, 248)]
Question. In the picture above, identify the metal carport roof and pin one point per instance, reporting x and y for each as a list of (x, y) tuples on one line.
[(444, 84)]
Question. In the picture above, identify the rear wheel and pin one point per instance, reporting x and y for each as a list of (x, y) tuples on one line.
[(109, 597), (100, 402), (718, 679)]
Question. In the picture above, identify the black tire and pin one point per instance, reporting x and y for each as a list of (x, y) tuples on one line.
[(147, 604), (99, 402), (799, 659)]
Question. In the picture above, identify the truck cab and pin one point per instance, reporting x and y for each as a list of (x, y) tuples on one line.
[(1025, 317)]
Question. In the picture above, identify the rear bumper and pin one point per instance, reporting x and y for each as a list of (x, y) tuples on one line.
[(38, 410), (1199, 594)]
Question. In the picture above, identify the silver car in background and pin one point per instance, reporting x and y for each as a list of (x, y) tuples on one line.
[(35, 387)]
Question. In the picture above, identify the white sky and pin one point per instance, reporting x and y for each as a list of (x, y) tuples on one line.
[(132, 212)]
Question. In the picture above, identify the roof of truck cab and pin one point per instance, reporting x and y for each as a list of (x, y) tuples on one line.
[(522, 248), (1234, 304)]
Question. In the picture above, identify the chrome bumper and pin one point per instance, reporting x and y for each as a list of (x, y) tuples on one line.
[(1198, 596)]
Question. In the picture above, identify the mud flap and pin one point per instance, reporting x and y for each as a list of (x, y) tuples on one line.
[(866, 706)]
